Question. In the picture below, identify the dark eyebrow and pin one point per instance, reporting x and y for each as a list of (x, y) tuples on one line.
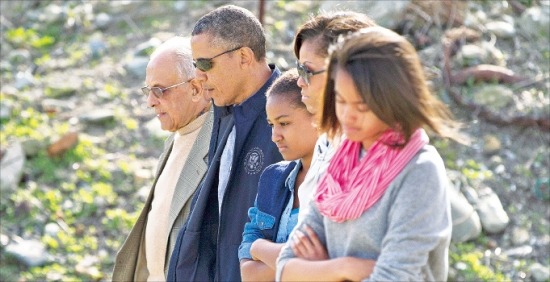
[(278, 118)]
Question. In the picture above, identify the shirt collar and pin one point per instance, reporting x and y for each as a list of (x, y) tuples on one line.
[(291, 179)]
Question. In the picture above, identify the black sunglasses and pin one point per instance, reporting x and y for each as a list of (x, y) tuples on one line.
[(157, 91), (305, 73), (205, 64)]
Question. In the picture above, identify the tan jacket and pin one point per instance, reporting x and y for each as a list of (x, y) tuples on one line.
[(130, 264)]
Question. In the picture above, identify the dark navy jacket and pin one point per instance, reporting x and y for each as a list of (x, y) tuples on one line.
[(206, 249), (272, 198)]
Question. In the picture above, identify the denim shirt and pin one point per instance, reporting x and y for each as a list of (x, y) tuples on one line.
[(260, 220)]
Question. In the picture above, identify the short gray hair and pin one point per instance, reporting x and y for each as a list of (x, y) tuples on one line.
[(231, 27), (180, 47)]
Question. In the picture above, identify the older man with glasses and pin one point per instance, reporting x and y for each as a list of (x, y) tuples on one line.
[(184, 108), (229, 54)]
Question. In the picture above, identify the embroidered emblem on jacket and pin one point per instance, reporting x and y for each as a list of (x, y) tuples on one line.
[(254, 161)]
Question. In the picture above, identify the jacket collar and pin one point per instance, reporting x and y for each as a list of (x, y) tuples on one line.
[(255, 104)]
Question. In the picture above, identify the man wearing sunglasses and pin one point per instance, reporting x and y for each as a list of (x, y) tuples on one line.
[(183, 108), (229, 54)]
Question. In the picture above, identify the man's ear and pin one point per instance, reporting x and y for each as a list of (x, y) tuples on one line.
[(247, 56), (196, 90)]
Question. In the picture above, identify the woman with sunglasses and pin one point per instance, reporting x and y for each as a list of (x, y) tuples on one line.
[(310, 48)]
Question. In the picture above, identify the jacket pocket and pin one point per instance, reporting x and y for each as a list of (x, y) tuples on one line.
[(265, 220)]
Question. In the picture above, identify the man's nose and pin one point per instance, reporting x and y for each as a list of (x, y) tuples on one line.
[(152, 100)]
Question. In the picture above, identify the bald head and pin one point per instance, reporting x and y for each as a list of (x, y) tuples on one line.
[(177, 51)]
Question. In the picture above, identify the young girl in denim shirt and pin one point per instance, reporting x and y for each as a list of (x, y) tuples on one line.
[(275, 211)]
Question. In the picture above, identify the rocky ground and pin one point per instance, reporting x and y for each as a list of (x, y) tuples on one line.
[(78, 146)]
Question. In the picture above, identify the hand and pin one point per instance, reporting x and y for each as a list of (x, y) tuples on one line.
[(308, 246)]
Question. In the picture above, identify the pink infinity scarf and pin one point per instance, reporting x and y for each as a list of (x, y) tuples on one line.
[(351, 186)]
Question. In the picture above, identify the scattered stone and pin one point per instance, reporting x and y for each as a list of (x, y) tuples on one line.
[(500, 169), (87, 267), (68, 204), (496, 160), (522, 251), (5, 110), (520, 236), (32, 147), (501, 29), (11, 166), (53, 13), (56, 105), (539, 272), (471, 194), (61, 90), (491, 213), (98, 47), (383, 12), (136, 67), (100, 202), (29, 252), (52, 229), (6, 67), (466, 222), (98, 117), (535, 21), (491, 144), (495, 96), (62, 145), (4, 240), (20, 56), (9, 90), (494, 56), (471, 55), (54, 276), (475, 18), (24, 79), (461, 265), (102, 21)]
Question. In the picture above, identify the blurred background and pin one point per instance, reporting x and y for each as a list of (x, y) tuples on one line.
[(78, 146)]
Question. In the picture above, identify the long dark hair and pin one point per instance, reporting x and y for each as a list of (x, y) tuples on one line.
[(387, 73)]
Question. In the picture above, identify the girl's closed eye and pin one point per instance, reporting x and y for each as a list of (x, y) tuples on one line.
[(360, 106)]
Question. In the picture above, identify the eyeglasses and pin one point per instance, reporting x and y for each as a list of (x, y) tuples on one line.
[(157, 91), (205, 64), (305, 73)]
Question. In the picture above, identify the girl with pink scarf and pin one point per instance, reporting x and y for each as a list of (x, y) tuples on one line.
[(381, 210)]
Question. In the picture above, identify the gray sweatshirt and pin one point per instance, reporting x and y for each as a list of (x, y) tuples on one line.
[(407, 231)]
